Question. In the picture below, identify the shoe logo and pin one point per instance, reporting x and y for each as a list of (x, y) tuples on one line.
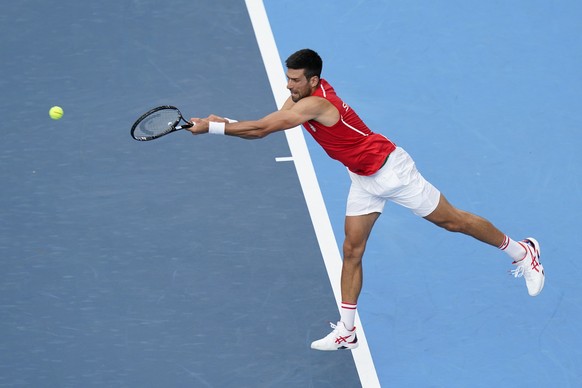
[(355, 341), (534, 258), (534, 265), (534, 262), (340, 339)]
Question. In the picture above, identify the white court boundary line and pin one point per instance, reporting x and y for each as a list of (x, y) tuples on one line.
[(309, 184)]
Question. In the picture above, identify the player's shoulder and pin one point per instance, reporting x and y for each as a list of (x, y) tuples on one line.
[(304, 103), (312, 104)]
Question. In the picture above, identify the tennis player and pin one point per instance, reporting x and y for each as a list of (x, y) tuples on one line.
[(379, 171)]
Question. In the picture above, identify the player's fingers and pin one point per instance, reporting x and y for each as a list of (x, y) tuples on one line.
[(200, 126)]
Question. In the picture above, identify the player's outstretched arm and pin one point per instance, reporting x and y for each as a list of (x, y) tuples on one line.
[(290, 116)]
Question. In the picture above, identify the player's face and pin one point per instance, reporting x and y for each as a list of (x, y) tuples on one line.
[(298, 84)]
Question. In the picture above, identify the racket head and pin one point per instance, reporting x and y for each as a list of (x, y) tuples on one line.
[(157, 122)]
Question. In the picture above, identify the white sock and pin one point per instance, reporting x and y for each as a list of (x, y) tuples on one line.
[(348, 314), (514, 249)]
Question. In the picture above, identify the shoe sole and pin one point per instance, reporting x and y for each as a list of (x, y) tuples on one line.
[(536, 245), (343, 347)]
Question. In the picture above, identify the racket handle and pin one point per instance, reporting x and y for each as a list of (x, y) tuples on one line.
[(185, 126)]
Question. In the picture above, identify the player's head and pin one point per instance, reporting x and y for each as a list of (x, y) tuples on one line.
[(303, 73), (307, 60)]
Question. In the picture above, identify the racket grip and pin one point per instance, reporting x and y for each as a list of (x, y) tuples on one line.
[(185, 126)]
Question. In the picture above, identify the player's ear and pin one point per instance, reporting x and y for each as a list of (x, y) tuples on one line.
[(314, 81)]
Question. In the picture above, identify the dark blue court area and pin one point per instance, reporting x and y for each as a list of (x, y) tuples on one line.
[(185, 262), (194, 261)]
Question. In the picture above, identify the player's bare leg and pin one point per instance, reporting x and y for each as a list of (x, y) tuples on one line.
[(357, 231), (526, 253), (455, 220), (343, 335)]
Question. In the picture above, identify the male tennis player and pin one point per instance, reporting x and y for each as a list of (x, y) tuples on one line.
[(379, 171)]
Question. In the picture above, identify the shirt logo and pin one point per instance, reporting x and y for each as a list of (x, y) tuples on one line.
[(312, 127)]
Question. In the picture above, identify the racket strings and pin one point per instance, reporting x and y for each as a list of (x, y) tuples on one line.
[(157, 123)]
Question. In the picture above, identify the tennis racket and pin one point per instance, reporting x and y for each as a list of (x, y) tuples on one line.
[(158, 122)]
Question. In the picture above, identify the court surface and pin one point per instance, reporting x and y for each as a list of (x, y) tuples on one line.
[(206, 261)]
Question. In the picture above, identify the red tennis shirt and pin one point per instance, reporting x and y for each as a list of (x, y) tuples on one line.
[(349, 141)]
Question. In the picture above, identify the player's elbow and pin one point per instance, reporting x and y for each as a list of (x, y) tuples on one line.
[(260, 133), (264, 133)]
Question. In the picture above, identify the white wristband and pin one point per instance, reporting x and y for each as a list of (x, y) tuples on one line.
[(216, 128)]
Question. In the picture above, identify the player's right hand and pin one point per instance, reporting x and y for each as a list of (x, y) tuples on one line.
[(200, 126)]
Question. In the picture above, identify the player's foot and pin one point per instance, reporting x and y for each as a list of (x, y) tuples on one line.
[(530, 267), (339, 338)]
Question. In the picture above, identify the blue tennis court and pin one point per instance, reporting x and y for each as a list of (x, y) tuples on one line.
[(206, 261)]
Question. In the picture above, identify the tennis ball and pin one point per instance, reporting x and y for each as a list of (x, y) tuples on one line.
[(56, 112)]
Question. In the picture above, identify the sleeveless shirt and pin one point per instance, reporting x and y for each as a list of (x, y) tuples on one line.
[(349, 141)]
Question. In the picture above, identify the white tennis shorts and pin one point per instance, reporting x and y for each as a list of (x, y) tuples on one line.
[(398, 181)]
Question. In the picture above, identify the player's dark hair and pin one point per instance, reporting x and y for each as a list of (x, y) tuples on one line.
[(306, 59)]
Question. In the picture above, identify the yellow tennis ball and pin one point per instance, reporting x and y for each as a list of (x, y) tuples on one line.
[(56, 112)]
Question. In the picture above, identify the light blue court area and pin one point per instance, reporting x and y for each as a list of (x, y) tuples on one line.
[(486, 97)]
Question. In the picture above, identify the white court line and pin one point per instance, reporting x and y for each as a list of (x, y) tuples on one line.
[(309, 184), (284, 159)]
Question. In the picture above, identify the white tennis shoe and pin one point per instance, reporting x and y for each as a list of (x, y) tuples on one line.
[(339, 338), (530, 267)]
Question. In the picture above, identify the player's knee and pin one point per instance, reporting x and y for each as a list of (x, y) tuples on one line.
[(454, 220), (458, 222), (455, 226), (353, 251)]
